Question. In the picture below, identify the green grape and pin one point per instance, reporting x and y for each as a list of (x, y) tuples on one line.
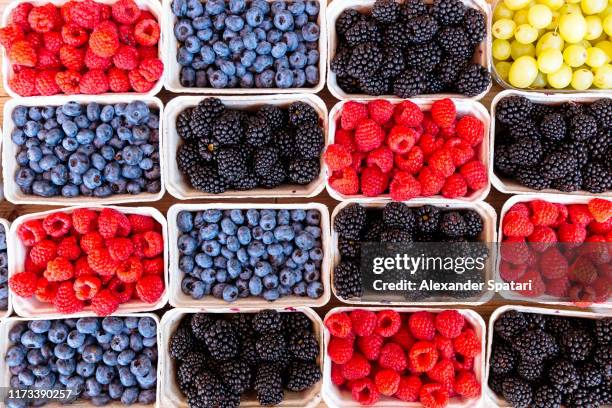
[(502, 11), (525, 34), (550, 61), (572, 27), (593, 6), (594, 27), (549, 40), (540, 81), (501, 49), (574, 55), (516, 4), (570, 9), (521, 17), (503, 29), (582, 79), (561, 78), (518, 50), (596, 57), (554, 23), (607, 24), (584, 43), (523, 72), (606, 12), (603, 77), (553, 4), (606, 46), (503, 69), (539, 16)]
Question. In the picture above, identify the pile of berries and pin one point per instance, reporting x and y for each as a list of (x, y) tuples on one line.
[(410, 49), (235, 254), (546, 360), (102, 361), (87, 149), (564, 147), (82, 47), (561, 249), (220, 359), (99, 259), (381, 148), (422, 356), (240, 44), (226, 149), (399, 224), (3, 270)]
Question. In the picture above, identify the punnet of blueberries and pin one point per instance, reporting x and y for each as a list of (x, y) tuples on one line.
[(3, 270), (254, 44), (91, 150), (233, 254), (102, 360)]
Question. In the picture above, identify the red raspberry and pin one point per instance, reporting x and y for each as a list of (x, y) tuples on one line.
[(412, 161), (600, 209), (126, 11), (74, 35), (69, 248), (401, 139), (368, 135), (571, 233), (59, 269), (66, 301), (108, 222), (93, 61), (387, 382), (444, 346), (579, 214), (45, 290), (431, 181), (542, 238), (345, 138), (91, 241), (31, 232), (45, 83), (44, 18), (430, 144), (450, 323), (146, 32), (521, 208), (153, 266), (146, 53), (339, 325), (81, 267), (423, 356), (601, 227), (126, 36), (373, 181), (48, 61), (100, 261), (462, 363), (443, 372), (151, 69), (388, 323), (118, 81), (120, 249), (149, 288), (422, 325), (475, 174), (337, 157), (84, 220), (11, 34), (470, 129), (139, 83), (403, 338), (364, 391), (23, 53), (543, 212), (104, 303), (57, 224), (129, 270), (346, 182), (29, 266), (36, 39), (85, 13), (510, 272), (442, 161), (515, 250), (516, 224), (467, 385), (336, 375), (141, 223), (460, 151), (407, 113), (340, 350), (380, 111), (146, 15), (122, 291), (352, 114), (404, 187), (71, 57), (94, 82), (104, 40), (370, 346), (86, 287), (42, 252), (23, 284), (153, 244), (582, 270), (68, 81), (409, 388), (392, 356), (381, 157), (358, 161), (19, 15), (443, 112), (363, 322), (357, 367), (467, 344), (433, 396), (455, 186), (126, 57)]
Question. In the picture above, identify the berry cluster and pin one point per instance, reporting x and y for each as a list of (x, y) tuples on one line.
[(564, 147), (100, 259), (87, 149), (220, 359), (422, 356), (3, 270), (82, 47), (235, 254), (235, 149), (381, 148), (561, 249), (232, 44), (399, 224), (410, 48), (549, 360), (104, 361)]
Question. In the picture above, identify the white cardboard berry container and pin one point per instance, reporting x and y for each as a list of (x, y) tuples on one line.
[(463, 106), (488, 235), (544, 299), (178, 299), (152, 6), (179, 187), (491, 398), (9, 164), (337, 398), (5, 375), (31, 307), (9, 308), (173, 69), (172, 395), (509, 186), (481, 56)]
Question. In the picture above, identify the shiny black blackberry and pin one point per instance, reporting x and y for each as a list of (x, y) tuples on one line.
[(547, 397), (413, 8), (236, 375), (424, 57), (601, 110), (396, 236), (421, 29), (373, 231), (301, 113), (510, 324), (571, 109), (347, 280), (248, 352), (535, 346), (340, 62), (303, 345), (427, 219), (257, 132), (204, 115), (181, 343), (266, 321), (394, 37), (393, 63), (596, 178), (209, 390), (187, 156), (578, 150), (278, 174), (385, 11), (525, 152), (558, 164), (295, 322), (590, 375), (221, 340), (532, 178), (231, 163), (564, 376), (452, 224), (350, 221), (473, 223), (600, 146), (503, 359), (513, 110), (398, 215), (434, 85), (603, 331), (539, 111), (309, 140), (363, 32), (530, 371), (248, 181), (473, 80), (582, 398), (199, 323), (275, 117), (572, 181), (227, 129), (556, 325), (302, 171), (347, 19), (448, 12), (264, 160), (409, 84), (230, 400), (576, 344), (375, 85), (450, 68), (189, 367), (271, 347), (182, 125), (365, 60), (553, 126), (284, 140), (527, 129), (207, 148), (206, 179), (535, 321), (502, 162), (582, 127), (474, 25), (269, 384), (349, 248), (302, 375), (517, 392), (242, 324), (454, 41)]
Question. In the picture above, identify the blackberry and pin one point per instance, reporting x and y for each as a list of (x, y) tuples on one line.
[(303, 171), (600, 145), (604, 393), (248, 352), (553, 126), (603, 331), (204, 115), (578, 150), (373, 231), (375, 85), (396, 236), (582, 398), (221, 340), (303, 345), (347, 19), (473, 223), (525, 152), (302, 375), (242, 324), (209, 389), (295, 322), (277, 176), (454, 41), (596, 178), (532, 178), (349, 84), (513, 110), (309, 141), (275, 117), (590, 375), (530, 371), (394, 37), (247, 182), (182, 125), (365, 60), (271, 347), (236, 375), (452, 224), (564, 376), (199, 323), (427, 219), (385, 11), (558, 164), (582, 127), (424, 57), (349, 248), (347, 280), (571, 109), (269, 384), (257, 132), (207, 148), (496, 382), (603, 356), (266, 321), (571, 182), (301, 113), (576, 345), (450, 68), (557, 325), (339, 64), (517, 392), (547, 397), (409, 84), (181, 343), (539, 111), (534, 346), (227, 129), (189, 367), (284, 140), (393, 63), (535, 321), (421, 29), (474, 25), (434, 85), (413, 8), (601, 109), (208, 180), (187, 156), (527, 129), (398, 215), (264, 160), (350, 221), (448, 12), (363, 32), (503, 359), (510, 324), (230, 400), (231, 163), (473, 80)]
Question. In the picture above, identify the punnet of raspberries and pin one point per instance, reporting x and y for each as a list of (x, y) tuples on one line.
[(550, 360), (403, 152), (263, 358), (410, 48), (426, 357), (110, 361), (562, 250), (89, 258), (231, 149), (82, 47), (565, 147)]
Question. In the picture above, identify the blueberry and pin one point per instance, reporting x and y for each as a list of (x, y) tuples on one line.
[(218, 79), (39, 326), (287, 277), (85, 369), (66, 367), (125, 357), (34, 153), (120, 342), (218, 22), (234, 23), (300, 21), (147, 327), (105, 374), (72, 108), (283, 20), (230, 293), (212, 216), (214, 7), (140, 366), (18, 137), (15, 355), (137, 113), (313, 217), (201, 22), (44, 370), (146, 397), (192, 44), (284, 78), (136, 342), (187, 77), (82, 122), (297, 60), (304, 240), (184, 221), (130, 395), (297, 7), (115, 390), (92, 387), (271, 294), (26, 378), (126, 378), (24, 177), (299, 289), (92, 353), (254, 16), (58, 332), (86, 149), (19, 115), (263, 48), (78, 162), (194, 8), (227, 67), (35, 357), (92, 178)]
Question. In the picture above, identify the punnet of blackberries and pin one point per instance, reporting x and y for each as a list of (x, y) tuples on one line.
[(545, 360), (565, 147), (443, 232), (221, 360), (226, 149), (410, 48), (237, 254)]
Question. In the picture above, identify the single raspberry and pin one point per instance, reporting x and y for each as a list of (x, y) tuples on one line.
[(339, 325), (363, 322), (368, 135), (149, 288), (444, 345), (23, 284), (542, 238), (467, 385), (104, 40), (431, 181), (410, 162), (515, 250), (104, 303), (23, 53), (94, 61), (57, 224), (579, 214), (69, 248), (151, 69), (126, 36), (423, 356), (358, 161), (357, 367), (407, 113), (118, 81), (422, 325), (470, 129), (463, 363), (36, 39), (72, 57), (600, 209), (467, 344), (122, 291), (387, 382), (583, 270), (516, 224), (475, 174), (82, 268), (85, 13), (139, 83), (66, 301), (392, 356), (31, 232), (442, 161), (42, 252), (153, 244), (455, 186), (29, 266), (364, 391), (433, 396), (45, 290), (450, 323), (345, 138), (48, 61), (146, 15), (129, 270), (571, 233), (146, 32), (91, 241), (558, 287), (443, 372), (120, 249), (403, 338), (10, 34), (601, 227), (373, 181), (380, 111), (45, 83), (94, 82), (126, 11), (340, 350), (402, 138), (381, 157), (59, 269), (44, 18), (68, 82), (370, 346), (409, 388), (543, 213), (74, 35), (430, 144), (19, 15), (404, 186), (126, 57), (153, 266), (86, 287), (346, 182), (105, 11), (337, 157), (388, 323), (336, 375), (141, 223), (100, 261), (352, 114), (108, 222), (443, 112)]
